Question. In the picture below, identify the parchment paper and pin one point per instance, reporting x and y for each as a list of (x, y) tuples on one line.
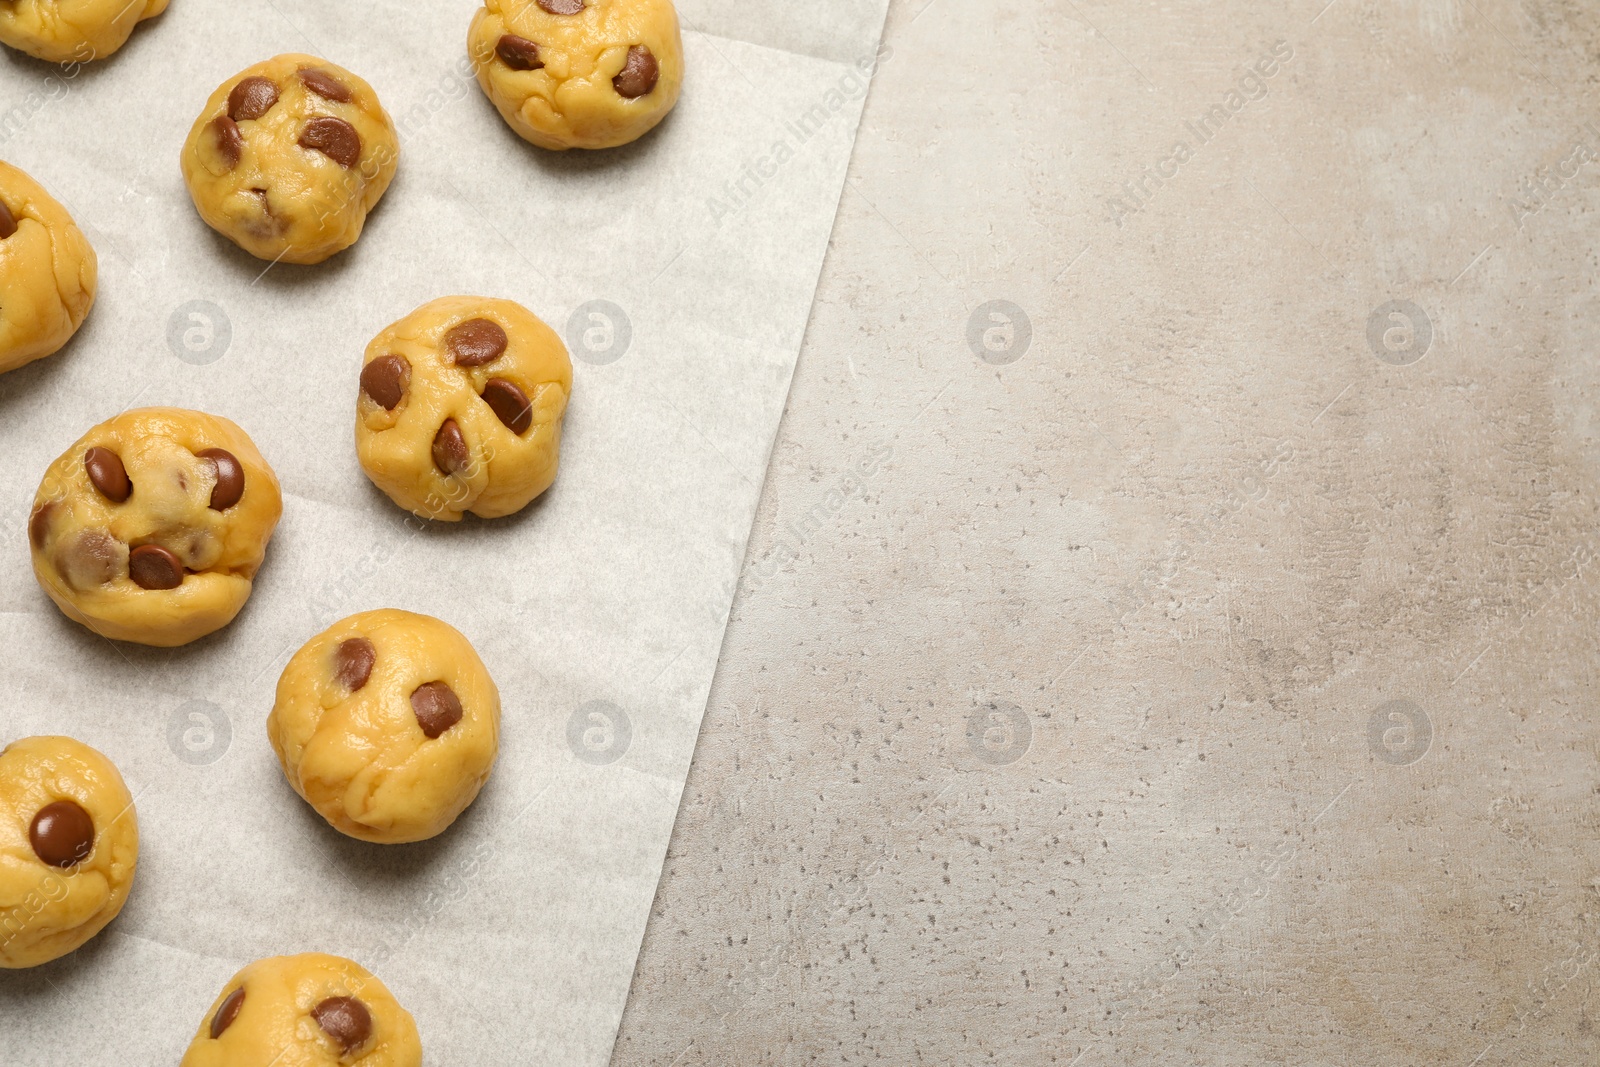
[(599, 610)]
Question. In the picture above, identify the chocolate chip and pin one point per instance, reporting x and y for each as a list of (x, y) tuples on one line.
[(450, 452), (562, 7), (639, 75), (153, 567), (385, 380), (230, 477), (518, 53), (227, 1013), (437, 708), (509, 404), (346, 1020), (62, 834), (252, 98), (108, 474), (89, 559), (8, 223), (326, 85), (230, 142), (353, 661), (476, 342), (334, 138), (39, 522)]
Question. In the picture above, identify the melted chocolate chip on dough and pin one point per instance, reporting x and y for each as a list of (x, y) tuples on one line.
[(252, 98), (450, 453), (518, 53), (108, 474), (437, 708), (153, 567), (230, 477), (353, 662), (8, 222), (510, 405), (62, 834), (230, 142), (640, 74), (326, 85), (227, 1013), (385, 380), (334, 138), (346, 1020), (476, 342)]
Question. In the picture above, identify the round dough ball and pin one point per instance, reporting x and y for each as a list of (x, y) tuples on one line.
[(69, 844), (579, 73), (152, 527), (47, 270), (387, 724), (288, 158), (460, 408), (308, 1010), (65, 31)]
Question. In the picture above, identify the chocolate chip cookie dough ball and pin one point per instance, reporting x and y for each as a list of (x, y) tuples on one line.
[(579, 73), (460, 408), (387, 724), (62, 31), (152, 527), (47, 270), (308, 1010), (69, 843), (288, 158)]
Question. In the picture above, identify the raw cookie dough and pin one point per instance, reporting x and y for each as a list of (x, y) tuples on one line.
[(69, 843), (63, 31), (288, 158), (152, 527), (460, 408), (310, 1010), (387, 724), (47, 270), (579, 73)]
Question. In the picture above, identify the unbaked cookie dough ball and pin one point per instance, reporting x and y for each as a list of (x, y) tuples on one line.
[(69, 843), (579, 73), (152, 527), (460, 408), (288, 158), (387, 724), (63, 31), (47, 270), (310, 1010)]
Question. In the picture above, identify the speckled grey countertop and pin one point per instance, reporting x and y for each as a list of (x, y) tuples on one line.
[(1205, 667)]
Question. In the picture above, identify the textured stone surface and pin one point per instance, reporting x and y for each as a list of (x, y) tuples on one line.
[(1199, 684)]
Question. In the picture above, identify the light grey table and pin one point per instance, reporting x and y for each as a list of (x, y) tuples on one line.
[(1207, 672)]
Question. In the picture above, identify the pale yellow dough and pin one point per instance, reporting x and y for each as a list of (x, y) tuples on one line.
[(506, 469), (361, 756), (275, 1023), (571, 101), (280, 200), (47, 911), (47, 270), (81, 539), (66, 31)]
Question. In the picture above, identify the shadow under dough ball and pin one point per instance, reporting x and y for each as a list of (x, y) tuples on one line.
[(388, 724), (151, 528), (289, 157), (69, 874), (48, 271), (578, 73)]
